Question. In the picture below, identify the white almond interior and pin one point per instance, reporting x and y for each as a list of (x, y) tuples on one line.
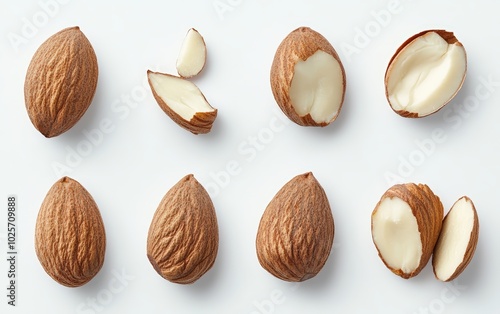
[(426, 74), (454, 239), (317, 87), (395, 233), (180, 95), (192, 55)]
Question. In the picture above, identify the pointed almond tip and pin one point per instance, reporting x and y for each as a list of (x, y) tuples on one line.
[(66, 180), (308, 174), (189, 177)]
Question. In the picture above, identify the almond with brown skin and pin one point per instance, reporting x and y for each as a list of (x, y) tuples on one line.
[(70, 240), (60, 82), (183, 238), (405, 227), (457, 241), (308, 79), (295, 234)]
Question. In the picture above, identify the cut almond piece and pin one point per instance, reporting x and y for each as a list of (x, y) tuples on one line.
[(193, 55), (182, 101), (308, 79), (425, 73), (457, 241), (405, 227)]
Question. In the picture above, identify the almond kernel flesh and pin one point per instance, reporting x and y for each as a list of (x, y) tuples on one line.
[(457, 241), (426, 72)]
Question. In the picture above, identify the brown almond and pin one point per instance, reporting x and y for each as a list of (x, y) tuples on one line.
[(296, 231), (183, 237), (60, 82), (405, 227), (457, 241), (70, 240), (307, 78)]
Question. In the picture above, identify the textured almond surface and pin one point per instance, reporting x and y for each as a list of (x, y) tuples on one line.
[(457, 241), (60, 82), (183, 238), (70, 240), (298, 47), (295, 234), (183, 102), (427, 209)]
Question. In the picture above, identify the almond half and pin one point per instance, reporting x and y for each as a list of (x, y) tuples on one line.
[(295, 234), (193, 55), (308, 78), (60, 82), (405, 227), (183, 238), (457, 241), (183, 102), (70, 240), (425, 73)]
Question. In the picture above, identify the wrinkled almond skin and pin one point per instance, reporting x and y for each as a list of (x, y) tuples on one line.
[(471, 247), (299, 45), (70, 240), (200, 123), (428, 211), (60, 82), (295, 234), (183, 238)]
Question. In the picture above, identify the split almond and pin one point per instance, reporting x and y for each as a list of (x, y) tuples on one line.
[(425, 73), (183, 238), (70, 240), (60, 82), (405, 227), (308, 79), (183, 102), (193, 55), (457, 242), (295, 234)]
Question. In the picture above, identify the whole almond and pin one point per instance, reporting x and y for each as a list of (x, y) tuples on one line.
[(183, 238), (70, 240), (406, 224), (295, 234), (60, 82)]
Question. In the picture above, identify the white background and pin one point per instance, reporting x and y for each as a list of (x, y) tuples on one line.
[(131, 167)]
